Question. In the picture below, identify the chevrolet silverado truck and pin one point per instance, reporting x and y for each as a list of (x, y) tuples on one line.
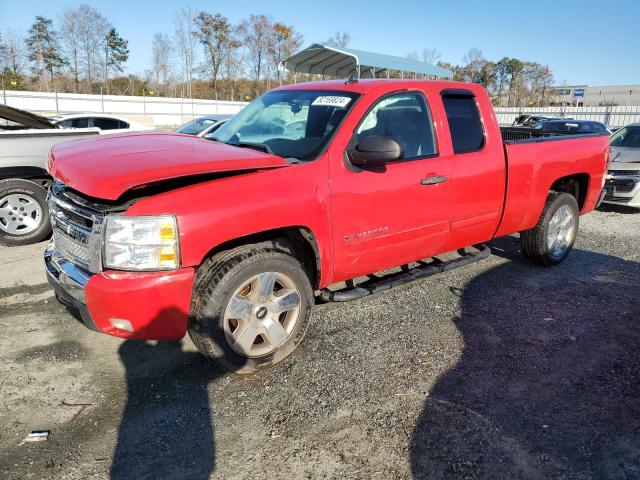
[(234, 238)]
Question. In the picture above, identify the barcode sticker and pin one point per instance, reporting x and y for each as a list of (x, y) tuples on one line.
[(332, 101)]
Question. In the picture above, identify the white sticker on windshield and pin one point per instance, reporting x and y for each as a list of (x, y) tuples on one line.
[(332, 101)]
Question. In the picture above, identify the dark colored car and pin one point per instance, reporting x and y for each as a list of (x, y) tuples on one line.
[(573, 126), (203, 125)]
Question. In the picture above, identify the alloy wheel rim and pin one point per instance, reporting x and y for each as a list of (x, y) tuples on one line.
[(261, 314), (561, 230), (20, 214)]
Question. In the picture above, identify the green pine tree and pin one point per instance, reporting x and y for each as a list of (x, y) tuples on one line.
[(116, 53)]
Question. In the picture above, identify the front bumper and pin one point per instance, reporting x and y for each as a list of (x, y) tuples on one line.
[(622, 187), (136, 305)]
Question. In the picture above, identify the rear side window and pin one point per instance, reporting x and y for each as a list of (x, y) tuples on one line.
[(80, 122), (463, 117), (106, 123)]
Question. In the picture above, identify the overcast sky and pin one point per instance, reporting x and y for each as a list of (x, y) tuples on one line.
[(584, 42)]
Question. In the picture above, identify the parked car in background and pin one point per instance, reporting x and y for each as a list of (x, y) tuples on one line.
[(529, 120), (565, 126), (25, 141), (204, 125), (310, 185), (112, 123), (622, 186)]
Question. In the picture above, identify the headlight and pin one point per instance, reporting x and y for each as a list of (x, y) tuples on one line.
[(141, 243)]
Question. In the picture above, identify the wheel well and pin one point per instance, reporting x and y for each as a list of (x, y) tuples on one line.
[(577, 185), (35, 174), (300, 241)]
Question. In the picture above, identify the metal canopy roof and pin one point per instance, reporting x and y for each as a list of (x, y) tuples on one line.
[(340, 62)]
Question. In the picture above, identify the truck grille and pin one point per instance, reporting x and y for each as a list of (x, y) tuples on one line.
[(76, 229), (621, 173)]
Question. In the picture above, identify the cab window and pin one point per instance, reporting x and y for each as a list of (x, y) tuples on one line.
[(404, 117), (463, 116)]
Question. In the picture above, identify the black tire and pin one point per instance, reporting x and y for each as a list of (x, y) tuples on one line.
[(534, 243), (216, 281), (37, 193)]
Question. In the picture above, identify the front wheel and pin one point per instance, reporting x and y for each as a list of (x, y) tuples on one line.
[(24, 217), (251, 307), (551, 240)]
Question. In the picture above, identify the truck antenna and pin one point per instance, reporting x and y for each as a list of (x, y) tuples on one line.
[(351, 78)]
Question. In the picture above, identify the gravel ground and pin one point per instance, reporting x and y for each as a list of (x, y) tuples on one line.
[(496, 370)]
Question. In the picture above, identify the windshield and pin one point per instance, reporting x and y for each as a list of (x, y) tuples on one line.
[(194, 127), (290, 123), (626, 137)]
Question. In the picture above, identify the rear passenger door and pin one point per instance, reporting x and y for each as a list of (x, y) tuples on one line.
[(478, 169)]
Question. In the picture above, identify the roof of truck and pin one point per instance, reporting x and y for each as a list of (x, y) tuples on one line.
[(364, 85)]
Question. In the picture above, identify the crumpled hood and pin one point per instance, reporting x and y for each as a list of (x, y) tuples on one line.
[(625, 155), (110, 165)]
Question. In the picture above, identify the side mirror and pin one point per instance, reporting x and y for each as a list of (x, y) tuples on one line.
[(375, 150)]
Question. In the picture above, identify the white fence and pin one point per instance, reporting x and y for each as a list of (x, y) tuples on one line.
[(160, 111), (156, 111), (610, 116)]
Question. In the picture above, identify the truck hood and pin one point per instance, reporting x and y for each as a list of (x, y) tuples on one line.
[(625, 155), (108, 166)]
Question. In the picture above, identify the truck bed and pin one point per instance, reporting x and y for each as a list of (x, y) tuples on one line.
[(520, 134)]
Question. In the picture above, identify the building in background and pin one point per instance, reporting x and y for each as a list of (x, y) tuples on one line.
[(586, 96)]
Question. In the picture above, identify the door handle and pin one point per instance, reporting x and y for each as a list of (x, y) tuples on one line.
[(433, 180)]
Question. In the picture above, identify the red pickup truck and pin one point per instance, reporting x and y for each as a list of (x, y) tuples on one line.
[(308, 189)]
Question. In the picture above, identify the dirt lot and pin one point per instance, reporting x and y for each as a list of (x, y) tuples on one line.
[(499, 370)]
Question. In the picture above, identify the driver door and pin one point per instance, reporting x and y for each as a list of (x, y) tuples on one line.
[(399, 212)]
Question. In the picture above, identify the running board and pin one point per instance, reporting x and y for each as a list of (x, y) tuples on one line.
[(407, 275)]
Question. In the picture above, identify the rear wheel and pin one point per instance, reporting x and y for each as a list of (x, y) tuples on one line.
[(551, 240), (251, 308), (24, 216)]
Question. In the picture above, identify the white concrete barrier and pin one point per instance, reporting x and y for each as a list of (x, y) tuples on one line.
[(150, 110)]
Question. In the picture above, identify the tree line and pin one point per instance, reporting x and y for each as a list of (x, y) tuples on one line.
[(207, 56), (509, 81)]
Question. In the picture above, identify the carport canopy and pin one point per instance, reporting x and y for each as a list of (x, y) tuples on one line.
[(340, 62)]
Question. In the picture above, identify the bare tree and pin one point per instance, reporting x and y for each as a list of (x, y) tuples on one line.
[(473, 55), (186, 45), (256, 32), (3, 54), (92, 28), (283, 42), (161, 59), (71, 42), (428, 55), (216, 36), (431, 55), (15, 54), (339, 40)]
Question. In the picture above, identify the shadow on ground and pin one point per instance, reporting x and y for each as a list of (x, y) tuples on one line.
[(624, 209), (548, 384), (166, 430)]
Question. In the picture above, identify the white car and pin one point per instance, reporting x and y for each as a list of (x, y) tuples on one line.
[(622, 186), (102, 121)]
